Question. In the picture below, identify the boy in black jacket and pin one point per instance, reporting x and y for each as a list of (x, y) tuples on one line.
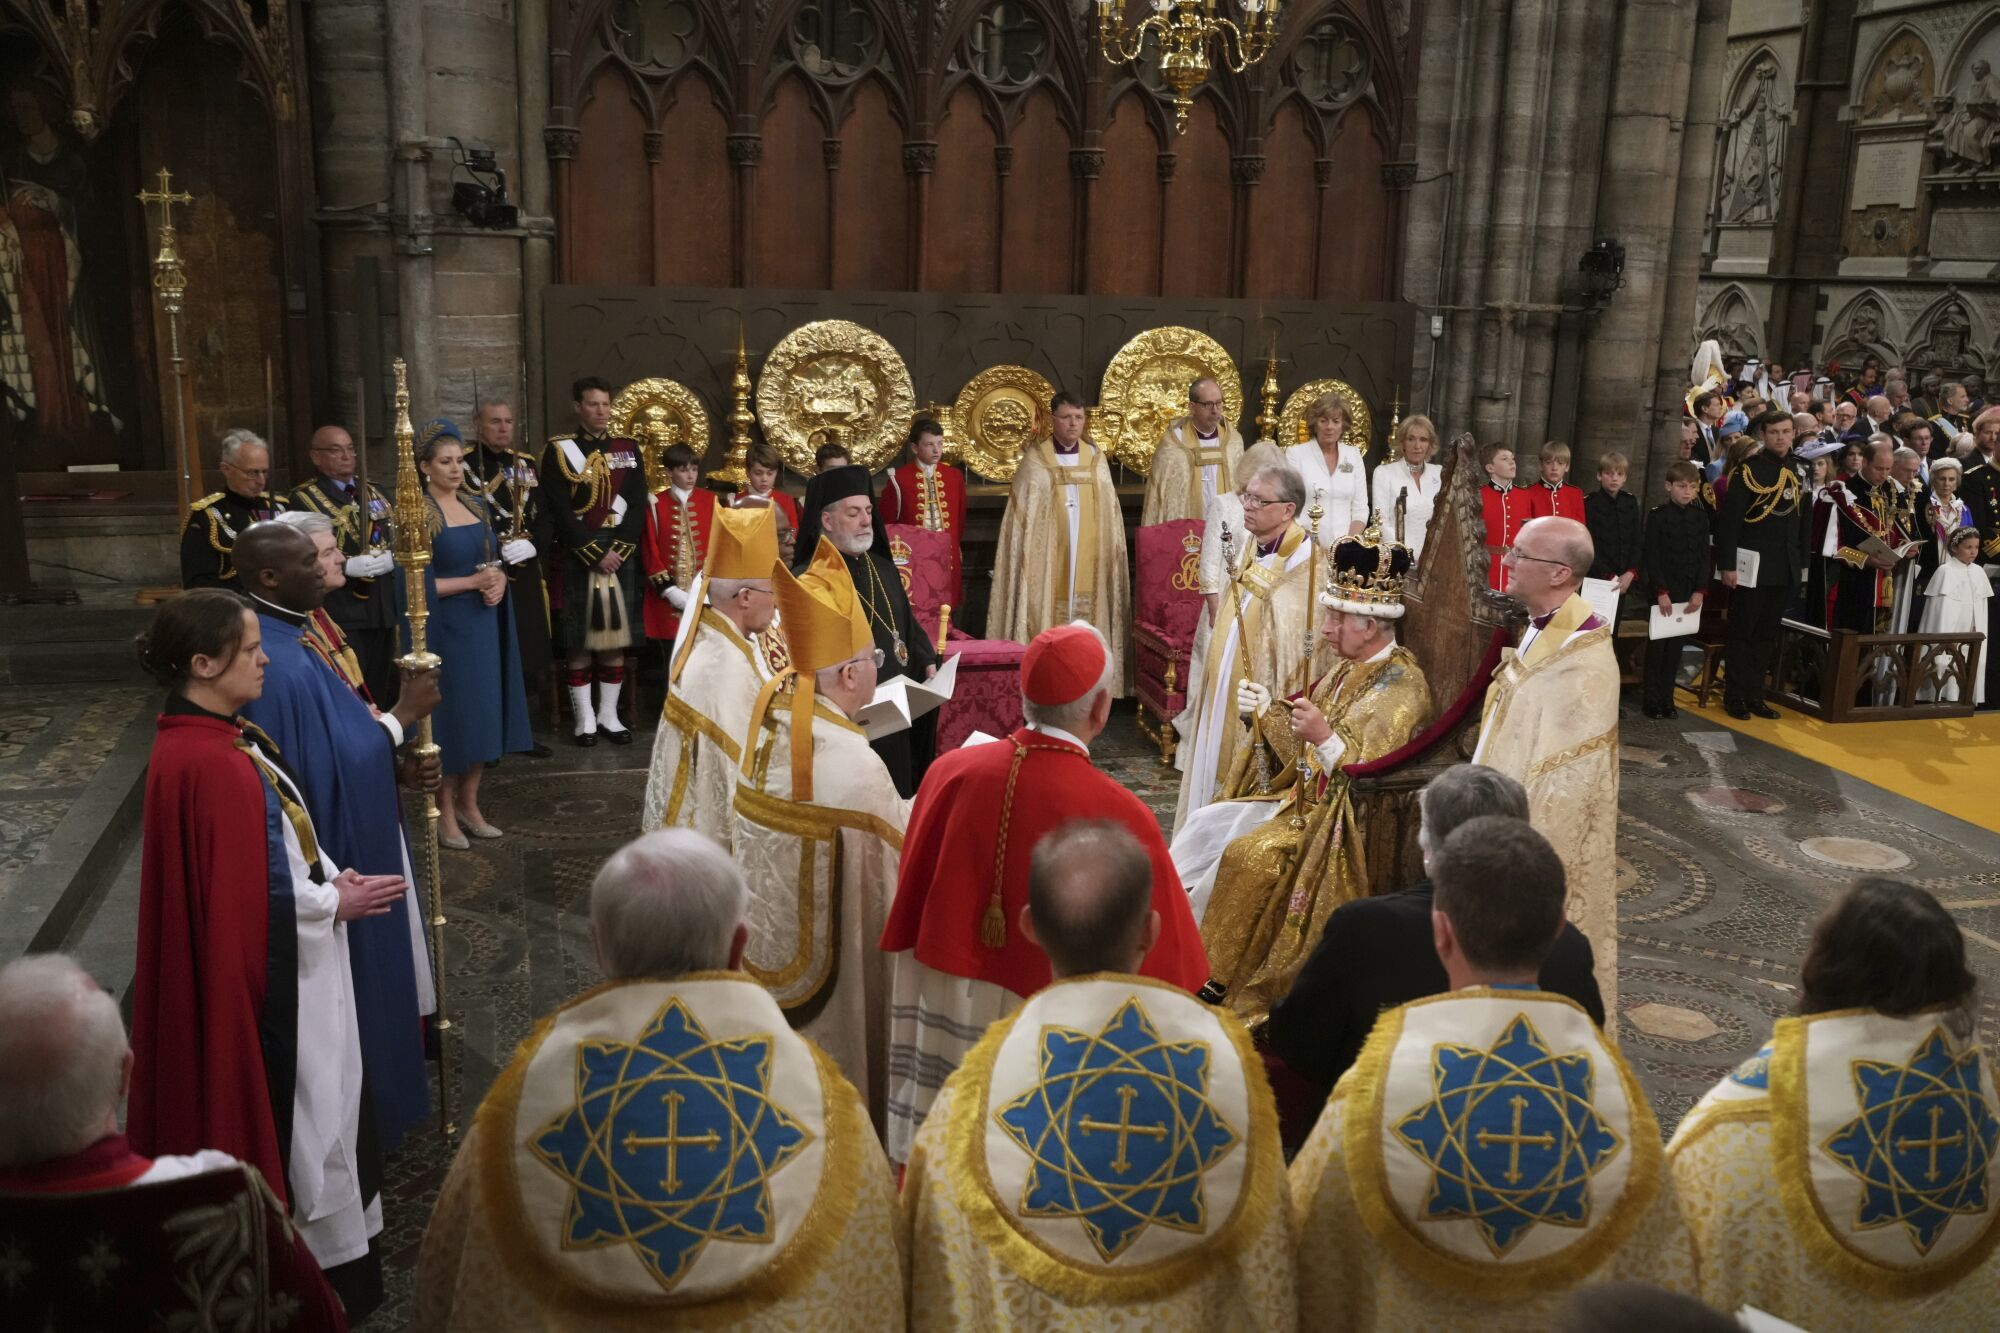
[(1674, 570), (1612, 515)]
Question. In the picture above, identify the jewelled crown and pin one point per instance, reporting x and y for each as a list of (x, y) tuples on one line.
[(1365, 574)]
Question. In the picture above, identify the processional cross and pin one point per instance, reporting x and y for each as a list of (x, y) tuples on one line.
[(1124, 1129), (673, 1142)]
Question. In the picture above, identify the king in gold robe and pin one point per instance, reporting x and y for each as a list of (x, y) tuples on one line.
[(1042, 1193), (819, 832), (1551, 723), (716, 673), (1262, 631), (1062, 550), (1847, 1176)]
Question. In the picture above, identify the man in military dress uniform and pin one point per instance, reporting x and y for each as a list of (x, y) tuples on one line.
[(209, 536), (365, 606), (841, 503), (1761, 515), (595, 490), (504, 476)]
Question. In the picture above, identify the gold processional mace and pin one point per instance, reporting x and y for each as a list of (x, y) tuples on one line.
[(413, 553)]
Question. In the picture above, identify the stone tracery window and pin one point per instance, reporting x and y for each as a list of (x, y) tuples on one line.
[(1006, 47), (834, 38), (657, 33), (1331, 65)]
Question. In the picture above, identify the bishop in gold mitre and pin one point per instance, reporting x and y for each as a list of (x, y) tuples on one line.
[(1194, 460), (716, 672), (1268, 869), (819, 827), (1062, 544)]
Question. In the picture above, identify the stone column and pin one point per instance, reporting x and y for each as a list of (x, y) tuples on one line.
[(416, 291), (531, 74)]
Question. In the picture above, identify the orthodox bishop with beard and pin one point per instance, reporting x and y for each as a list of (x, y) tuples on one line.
[(715, 674), (1062, 543), (819, 828)]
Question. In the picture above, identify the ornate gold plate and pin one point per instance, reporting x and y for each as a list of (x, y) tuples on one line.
[(999, 413), (1146, 386), (834, 375), (657, 413), (1293, 428)]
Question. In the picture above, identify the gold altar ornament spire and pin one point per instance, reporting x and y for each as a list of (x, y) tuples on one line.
[(732, 473)]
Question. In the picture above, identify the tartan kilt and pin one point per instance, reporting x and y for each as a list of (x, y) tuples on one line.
[(572, 619)]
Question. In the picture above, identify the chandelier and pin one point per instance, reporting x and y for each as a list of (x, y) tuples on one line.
[(1184, 29)]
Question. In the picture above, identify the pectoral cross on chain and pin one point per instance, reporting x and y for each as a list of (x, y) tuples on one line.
[(1124, 1129), (1515, 1141), (673, 1142)]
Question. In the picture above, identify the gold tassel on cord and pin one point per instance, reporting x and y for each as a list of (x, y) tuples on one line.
[(993, 927)]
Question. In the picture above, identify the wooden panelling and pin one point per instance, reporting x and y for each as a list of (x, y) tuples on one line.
[(1196, 259), (788, 230), (1284, 211), (965, 201), (1357, 212), (692, 230), (613, 211), (871, 203), (1038, 215), (1125, 212)]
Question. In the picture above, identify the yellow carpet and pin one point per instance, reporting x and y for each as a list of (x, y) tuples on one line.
[(1952, 765)]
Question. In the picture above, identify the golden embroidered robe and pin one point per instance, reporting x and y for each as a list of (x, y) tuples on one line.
[(1817, 1193), (1180, 482), (1413, 1195), (570, 1206), (1016, 1206), (1062, 554), (822, 874), (1277, 884), (1551, 723), (1263, 625), (692, 780)]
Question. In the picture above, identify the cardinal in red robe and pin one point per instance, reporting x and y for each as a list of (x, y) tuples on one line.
[(959, 959)]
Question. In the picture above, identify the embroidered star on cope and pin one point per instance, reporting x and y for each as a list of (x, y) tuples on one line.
[(1922, 1143), (1511, 1136), (671, 1144), (1120, 1131)]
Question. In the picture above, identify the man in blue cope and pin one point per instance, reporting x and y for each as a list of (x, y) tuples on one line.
[(343, 757)]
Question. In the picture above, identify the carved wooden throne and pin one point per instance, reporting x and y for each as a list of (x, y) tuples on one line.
[(1455, 625)]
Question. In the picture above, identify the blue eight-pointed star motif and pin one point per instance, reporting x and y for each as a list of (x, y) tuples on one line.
[(1119, 1130), (671, 1143), (1511, 1136), (1922, 1143)]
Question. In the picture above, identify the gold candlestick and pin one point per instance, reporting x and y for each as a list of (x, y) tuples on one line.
[(170, 283), (731, 472), (413, 553), (1267, 420)]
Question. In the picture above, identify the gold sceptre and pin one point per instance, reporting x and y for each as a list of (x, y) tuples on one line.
[(1304, 763), (731, 472), (170, 282), (413, 553)]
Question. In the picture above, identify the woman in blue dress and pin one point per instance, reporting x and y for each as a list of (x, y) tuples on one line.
[(483, 711)]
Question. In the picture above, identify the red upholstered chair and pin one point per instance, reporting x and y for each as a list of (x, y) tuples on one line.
[(923, 558), (1166, 605), (988, 697)]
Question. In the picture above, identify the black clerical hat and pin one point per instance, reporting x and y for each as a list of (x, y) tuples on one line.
[(835, 484)]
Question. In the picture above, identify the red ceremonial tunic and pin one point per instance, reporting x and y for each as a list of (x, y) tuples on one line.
[(200, 1076), (903, 501), (1561, 501), (946, 881), (787, 503), (1505, 512), (659, 552)]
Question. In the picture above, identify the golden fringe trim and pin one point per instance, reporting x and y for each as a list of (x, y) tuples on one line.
[(1607, 740), (566, 1301), (1791, 1163), (1496, 1280), (1062, 1277), (993, 925)]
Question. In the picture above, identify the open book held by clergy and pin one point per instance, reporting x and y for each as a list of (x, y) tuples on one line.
[(957, 956)]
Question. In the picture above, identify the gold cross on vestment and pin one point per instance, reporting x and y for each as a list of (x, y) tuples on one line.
[(673, 1142), (1124, 1129), (1932, 1144), (166, 197), (1486, 1138)]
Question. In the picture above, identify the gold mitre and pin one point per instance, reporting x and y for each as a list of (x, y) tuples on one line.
[(743, 544), (1364, 574), (822, 618)]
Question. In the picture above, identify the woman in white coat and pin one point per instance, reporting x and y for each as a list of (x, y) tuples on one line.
[(1409, 473), (1333, 471)]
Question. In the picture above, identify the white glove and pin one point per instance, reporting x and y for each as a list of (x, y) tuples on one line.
[(677, 598), (372, 564), (1252, 699), (517, 549)]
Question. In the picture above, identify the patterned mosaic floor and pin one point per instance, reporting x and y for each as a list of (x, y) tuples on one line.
[(53, 739), (1729, 849)]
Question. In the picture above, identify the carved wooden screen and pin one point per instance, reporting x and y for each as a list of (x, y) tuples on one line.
[(970, 146)]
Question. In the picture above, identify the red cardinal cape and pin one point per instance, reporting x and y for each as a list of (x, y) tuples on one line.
[(945, 886), (215, 996)]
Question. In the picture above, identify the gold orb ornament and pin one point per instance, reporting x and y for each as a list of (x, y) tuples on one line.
[(1146, 386), (834, 379)]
